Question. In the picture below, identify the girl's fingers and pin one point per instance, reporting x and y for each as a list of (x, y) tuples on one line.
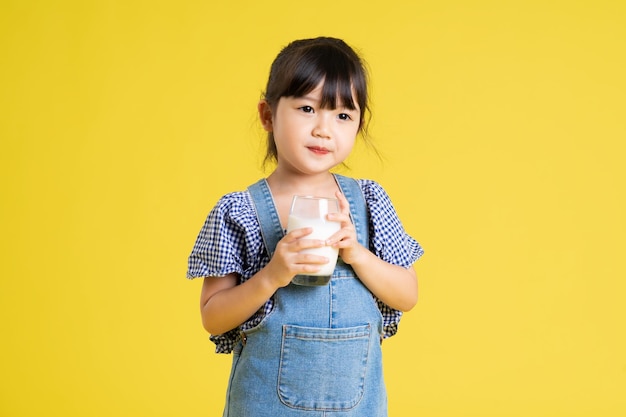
[(298, 233), (344, 206), (336, 237), (310, 259), (302, 244), (297, 241), (343, 218)]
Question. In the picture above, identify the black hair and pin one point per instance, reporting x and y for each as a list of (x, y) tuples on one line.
[(303, 64)]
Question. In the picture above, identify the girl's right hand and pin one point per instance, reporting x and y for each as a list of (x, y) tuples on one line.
[(289, 261)]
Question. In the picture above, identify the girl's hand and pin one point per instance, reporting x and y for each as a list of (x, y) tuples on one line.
[(288, 261), (350, 250)]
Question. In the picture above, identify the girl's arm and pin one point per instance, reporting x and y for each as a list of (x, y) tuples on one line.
[(394, 285), (225, 305)]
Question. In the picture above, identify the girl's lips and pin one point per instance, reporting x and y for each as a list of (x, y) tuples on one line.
[(318, 150)]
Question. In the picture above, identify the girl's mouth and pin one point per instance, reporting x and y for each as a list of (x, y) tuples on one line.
[(318, 150)]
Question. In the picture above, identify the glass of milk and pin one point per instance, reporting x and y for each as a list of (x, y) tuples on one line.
[(307, 211)]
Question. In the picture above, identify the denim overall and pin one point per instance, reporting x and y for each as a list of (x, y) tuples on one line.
[(318, 352)]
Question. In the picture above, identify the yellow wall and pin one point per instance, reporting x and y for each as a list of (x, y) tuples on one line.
[(502, 125)]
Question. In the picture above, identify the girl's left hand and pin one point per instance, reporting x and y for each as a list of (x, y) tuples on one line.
[(345, 239)]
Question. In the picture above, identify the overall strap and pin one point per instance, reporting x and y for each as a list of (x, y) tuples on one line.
[(358, 207), (266, 213)]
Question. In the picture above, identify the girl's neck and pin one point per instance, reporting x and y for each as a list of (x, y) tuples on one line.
[(320, 185)]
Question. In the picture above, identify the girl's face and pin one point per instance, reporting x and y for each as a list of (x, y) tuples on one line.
[(310, 139)]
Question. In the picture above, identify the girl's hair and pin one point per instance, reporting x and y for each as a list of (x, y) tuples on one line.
[(303, 64)]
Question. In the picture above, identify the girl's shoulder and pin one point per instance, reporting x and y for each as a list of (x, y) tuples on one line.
[(235, 207), (373, 192), (235, 200)]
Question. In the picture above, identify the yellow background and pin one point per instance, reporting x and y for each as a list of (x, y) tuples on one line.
[(502, 127)]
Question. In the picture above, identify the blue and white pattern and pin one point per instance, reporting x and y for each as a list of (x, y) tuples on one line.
[(230, 242)]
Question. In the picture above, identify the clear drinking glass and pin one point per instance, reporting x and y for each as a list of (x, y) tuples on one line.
[(307, 211)]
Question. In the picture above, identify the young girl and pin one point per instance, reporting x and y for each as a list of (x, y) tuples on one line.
[(306, 350)]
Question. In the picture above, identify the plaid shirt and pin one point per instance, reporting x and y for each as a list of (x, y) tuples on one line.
[(230, 242)]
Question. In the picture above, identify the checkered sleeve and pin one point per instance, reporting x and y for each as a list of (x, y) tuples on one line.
[(220, 248), (229, 242), (388, 239)]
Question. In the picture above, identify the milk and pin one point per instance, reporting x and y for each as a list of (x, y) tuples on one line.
[(322, 230)]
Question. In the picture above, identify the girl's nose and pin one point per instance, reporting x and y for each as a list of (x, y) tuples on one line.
[(321, 129)]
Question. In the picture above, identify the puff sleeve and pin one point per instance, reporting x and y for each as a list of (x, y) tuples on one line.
[(388, 239), (229, 241)]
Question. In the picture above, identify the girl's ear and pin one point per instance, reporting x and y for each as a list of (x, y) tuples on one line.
[(265, 115)]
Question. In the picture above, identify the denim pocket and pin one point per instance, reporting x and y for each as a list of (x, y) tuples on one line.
[(323, 369)]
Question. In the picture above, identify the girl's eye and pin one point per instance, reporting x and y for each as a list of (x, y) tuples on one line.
[(307, 109), (344, 116)]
